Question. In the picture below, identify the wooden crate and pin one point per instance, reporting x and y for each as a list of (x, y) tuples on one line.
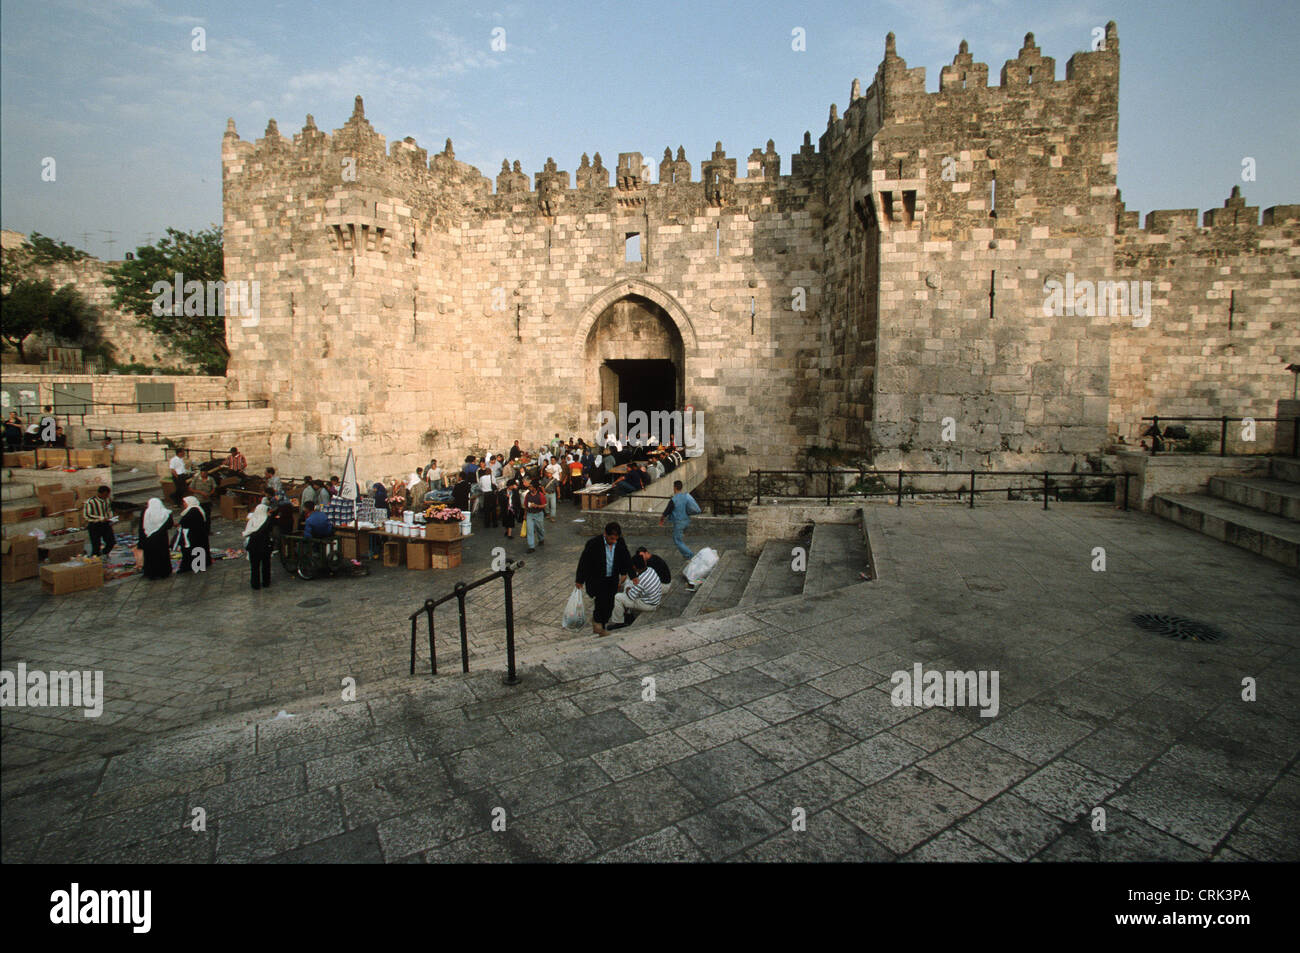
[(394, 552)]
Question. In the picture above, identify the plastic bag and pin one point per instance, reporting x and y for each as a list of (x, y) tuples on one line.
[(575, 612), (700, 565)]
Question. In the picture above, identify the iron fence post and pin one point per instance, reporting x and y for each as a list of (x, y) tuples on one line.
[(412, 644), (828, 487), (900, 487), (1223, 438), (433, 652), (464, 636), (972, 489), (1045, 482), (1126, 476), (511, 677)]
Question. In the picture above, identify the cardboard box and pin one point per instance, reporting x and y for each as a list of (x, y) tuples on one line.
[(417, 554), (62, 551), (84, 492), (19, 559), (444, 555), (52, 457), (239, 514), (227, 507), (45, 490), (61, 578), (74, 518), (26, 458), (393, 552), (21, 513), (91, 458), (59, 502)]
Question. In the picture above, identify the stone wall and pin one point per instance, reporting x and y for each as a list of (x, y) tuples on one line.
[(1225, 321), (120, 389), (899, 277)]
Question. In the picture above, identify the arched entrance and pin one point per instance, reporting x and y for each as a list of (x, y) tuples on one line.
[(634, 356)]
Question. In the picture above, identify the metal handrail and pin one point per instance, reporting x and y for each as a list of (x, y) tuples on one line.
[(459, 593), (1223, 429), (961, 492)]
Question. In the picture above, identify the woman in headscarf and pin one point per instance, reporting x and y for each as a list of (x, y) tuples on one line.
[(257, 540), (509, 508), (155, 522), (194, 537)]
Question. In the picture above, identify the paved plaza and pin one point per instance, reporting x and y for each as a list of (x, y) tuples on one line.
[(770, 734)]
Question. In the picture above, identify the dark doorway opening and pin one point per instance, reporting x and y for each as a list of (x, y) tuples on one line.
[(646, 385)]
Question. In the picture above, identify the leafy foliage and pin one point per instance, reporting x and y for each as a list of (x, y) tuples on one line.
[(198, 257), (29, 305), (43, 250)]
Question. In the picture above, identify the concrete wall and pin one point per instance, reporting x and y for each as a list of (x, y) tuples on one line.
[(787, 520)]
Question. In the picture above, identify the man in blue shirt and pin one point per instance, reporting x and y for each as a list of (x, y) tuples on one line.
[(680, 509), (317, 525)]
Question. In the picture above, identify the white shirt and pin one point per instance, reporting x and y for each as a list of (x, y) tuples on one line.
[(177, 466), (435, 477), (485, 481), (413, 478), (554, 471), (647, 588)]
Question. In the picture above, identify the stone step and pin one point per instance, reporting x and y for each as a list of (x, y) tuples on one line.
[(835, 558), (1278, 497), (724, 586), (1269, 536), (1284, 468), (16, 492), (46, 524), (773, 577)]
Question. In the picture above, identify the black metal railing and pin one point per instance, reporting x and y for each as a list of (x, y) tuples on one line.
[(92, 407), (459, 593), (108, 432), (1181, 433), (891, 483)]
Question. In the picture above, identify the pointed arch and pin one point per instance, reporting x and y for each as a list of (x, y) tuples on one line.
[(597, 304)]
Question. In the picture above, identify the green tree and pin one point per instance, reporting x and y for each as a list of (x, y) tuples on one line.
[(195, 255), (43, 250), (29, 305)]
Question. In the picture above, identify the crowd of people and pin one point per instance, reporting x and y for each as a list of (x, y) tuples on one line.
[(518, 489)]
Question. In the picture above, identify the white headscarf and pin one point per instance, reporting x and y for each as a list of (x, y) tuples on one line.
[(256, 519), (155, 516), (191, 503)]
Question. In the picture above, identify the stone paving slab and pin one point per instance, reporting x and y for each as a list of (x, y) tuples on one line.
[(758, 751)]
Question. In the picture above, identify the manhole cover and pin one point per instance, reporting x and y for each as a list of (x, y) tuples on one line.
[(1178, 628), (312, 603)]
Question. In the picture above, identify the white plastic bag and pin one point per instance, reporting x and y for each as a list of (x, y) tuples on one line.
[(575, 613), (700, 565)]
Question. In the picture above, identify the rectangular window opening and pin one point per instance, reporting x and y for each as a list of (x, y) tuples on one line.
[(632, 246), (887, 205)]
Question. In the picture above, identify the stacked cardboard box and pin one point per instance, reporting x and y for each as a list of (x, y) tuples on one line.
[(60, 578), (21, 512), (26, 458), (19, 558), (59, 502), (393, 552), (444, 555), (61, 551), (227, 506), (417, 554)]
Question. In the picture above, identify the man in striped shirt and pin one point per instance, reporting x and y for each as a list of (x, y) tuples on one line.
[(643, 594), (99, 521)]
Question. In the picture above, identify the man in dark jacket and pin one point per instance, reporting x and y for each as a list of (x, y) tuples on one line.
[(604, 565), (460, 492)]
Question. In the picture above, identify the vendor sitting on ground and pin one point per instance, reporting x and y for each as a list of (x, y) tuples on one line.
[(236, 462), (631, 481), (317, 525)]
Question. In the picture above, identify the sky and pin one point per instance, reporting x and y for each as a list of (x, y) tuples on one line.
[(132, 114)]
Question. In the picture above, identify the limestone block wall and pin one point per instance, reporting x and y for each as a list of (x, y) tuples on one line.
[(409, 312), (120, 389), (979, 195), (1225, 319)]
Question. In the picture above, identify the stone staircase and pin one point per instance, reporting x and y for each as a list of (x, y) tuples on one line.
[(1258, 514), (134, 486), (835, 554)]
